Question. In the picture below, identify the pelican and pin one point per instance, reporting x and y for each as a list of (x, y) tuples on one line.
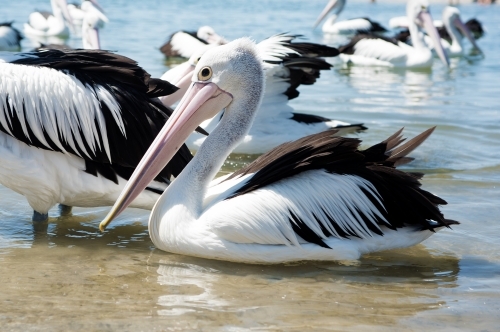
[(93, 20), (55, 24), (10, 37), (77, 11), (474, 26), (347, 27), (287, 65), (185, 43), (317, 198), (371, 50), (455, 31), (74, 124)]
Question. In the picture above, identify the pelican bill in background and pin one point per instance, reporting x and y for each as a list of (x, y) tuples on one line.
[(318, 198), (347, 27)]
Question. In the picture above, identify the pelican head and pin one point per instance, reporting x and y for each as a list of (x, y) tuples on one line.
[(419, 14), (180, 76), (93, 20), (223, 74), (452, 21), (208, 34), (338, 5)]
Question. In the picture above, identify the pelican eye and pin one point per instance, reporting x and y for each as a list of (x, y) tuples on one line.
[(205, 73)]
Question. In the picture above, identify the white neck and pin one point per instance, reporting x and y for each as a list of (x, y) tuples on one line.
[(456, 38), (417, 38), (183, 199)]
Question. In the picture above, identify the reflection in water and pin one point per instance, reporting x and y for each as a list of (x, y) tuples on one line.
[(383, 85), (381, 289)]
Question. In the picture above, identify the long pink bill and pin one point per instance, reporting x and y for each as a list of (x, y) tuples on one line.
[(179, 76), (202, 101), (426, 18), (466, 32)]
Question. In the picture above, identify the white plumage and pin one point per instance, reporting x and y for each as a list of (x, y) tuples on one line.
[(185, 44), (55, 24), (318, 198)]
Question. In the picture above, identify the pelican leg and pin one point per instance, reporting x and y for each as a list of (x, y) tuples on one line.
[(40, 217), (64, 210)]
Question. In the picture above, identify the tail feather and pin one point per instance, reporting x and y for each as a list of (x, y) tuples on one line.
[(398, 152)]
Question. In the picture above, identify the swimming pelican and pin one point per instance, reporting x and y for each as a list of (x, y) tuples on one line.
[(10, 37), (74, 124), (186, 43), (455, 30), (371, 50), (317, 198), (287, 65), (45, 24), (347, 27)]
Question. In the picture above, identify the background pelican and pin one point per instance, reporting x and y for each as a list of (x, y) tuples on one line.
[(185, 43), (45, 24), (455, 31), (318, 198), (74, 124), (77, 11), (352, 26), (93, 20), (10, 37), (287, 65), (371, 50)]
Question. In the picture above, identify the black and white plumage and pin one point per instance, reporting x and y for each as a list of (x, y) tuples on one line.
[(42, 24), (347, 27), (10, 37), (451, 33), (185, 43), (318, 198), (374, 50), (288, 64), (75, 123)]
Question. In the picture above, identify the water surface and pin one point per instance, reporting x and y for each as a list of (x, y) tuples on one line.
[(72, 277)]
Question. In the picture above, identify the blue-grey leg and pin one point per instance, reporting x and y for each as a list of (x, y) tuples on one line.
[(64, 210), (40, 217)]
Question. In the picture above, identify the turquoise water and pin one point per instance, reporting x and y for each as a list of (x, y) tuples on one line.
[(73, 277)]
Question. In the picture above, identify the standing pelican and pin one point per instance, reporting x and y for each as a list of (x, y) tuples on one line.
[(287, 65), (185, 43), (318, 198), (348, 27), (45, 24), (371, 50), (10, 37), (74, 124)]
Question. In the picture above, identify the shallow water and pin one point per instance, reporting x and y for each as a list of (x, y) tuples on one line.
[(72, 277)]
